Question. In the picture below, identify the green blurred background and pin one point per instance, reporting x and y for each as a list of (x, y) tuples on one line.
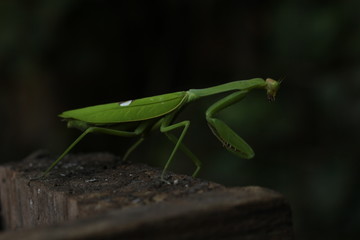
[(60, 55)]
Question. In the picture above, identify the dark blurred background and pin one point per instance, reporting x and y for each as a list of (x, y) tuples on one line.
[(60, 55)]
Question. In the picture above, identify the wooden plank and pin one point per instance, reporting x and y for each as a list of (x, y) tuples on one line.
[(94, 196)]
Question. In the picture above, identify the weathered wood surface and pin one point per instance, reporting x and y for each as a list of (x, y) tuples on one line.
[(95, 197)]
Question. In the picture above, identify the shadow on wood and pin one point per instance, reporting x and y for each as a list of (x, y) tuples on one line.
[(94, 196)]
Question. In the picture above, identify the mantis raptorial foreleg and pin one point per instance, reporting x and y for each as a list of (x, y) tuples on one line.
[(138, 131), (225, 102), (223, 132)]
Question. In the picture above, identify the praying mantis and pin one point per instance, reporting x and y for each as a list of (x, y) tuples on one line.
[(137, 118)]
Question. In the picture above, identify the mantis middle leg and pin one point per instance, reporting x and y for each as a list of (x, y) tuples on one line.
[(187, 151), (154, 126), (165, 128), (133, 147)]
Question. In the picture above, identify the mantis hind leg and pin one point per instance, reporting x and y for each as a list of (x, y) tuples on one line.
[(187, 151), (138, 131)]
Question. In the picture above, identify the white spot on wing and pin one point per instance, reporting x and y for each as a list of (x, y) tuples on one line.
[(126, 103)]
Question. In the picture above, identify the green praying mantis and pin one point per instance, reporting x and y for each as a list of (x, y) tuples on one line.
[(137, 118)]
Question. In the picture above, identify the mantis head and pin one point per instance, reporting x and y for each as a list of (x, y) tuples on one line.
[(272, 86)]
